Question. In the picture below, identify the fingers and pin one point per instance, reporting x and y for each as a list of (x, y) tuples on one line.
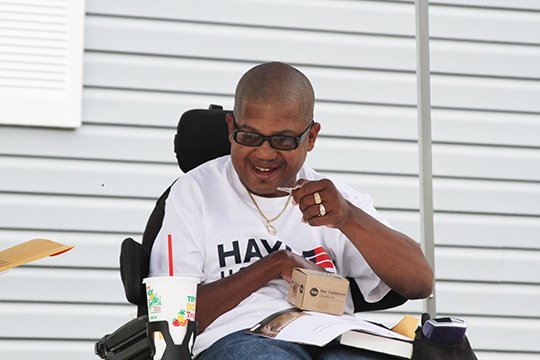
[(310, 193), (317, 200), (293, 260)]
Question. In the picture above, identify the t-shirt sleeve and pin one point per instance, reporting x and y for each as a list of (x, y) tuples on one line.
[(181, 222)]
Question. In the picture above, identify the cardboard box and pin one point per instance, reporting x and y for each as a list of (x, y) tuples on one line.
[(318, 291)]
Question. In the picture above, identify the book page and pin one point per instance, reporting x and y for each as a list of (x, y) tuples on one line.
[(316, 328)]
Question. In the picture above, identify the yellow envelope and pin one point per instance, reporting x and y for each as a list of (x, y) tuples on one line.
[(30, 250), (407, 326)]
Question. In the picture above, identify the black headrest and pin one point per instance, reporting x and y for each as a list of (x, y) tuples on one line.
[(201, 136)]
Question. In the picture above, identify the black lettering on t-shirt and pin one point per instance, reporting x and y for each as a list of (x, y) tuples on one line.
[(222, 255), (223, 276), (269, 248), (252, 251)]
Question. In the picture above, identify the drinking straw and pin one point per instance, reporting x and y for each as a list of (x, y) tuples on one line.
[(169, 243)]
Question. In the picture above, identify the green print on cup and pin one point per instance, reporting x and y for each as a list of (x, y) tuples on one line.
[(154, 301)]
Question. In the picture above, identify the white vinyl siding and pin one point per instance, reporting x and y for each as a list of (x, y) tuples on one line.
[(144, 65)]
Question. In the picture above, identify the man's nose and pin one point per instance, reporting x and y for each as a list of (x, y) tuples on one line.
[(266, 150)]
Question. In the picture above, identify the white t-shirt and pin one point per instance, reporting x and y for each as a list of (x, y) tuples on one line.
[(217, 230)]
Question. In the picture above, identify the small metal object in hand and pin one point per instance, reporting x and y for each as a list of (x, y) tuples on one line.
[(322, 210), (317, 198), (288, 190)]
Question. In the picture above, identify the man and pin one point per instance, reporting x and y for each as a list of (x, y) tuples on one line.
[(242, 236)]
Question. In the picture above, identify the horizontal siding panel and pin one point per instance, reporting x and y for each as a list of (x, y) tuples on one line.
[(489, 128), (448, 126), (85, 178), (498, 300), (91, 143), (354, 16), (206, 76), (448, 160), (155, 145), (469, 299), (515, 4), (487, 196), (358, 17), (71, 213), (92, 250), (479, 24), (450, 194), (480, 59), (145, 108), (186, 39), (496, 265), (47, 350), (57, 285), (473, 230), (484, 333), (61, 321), (303, 47)]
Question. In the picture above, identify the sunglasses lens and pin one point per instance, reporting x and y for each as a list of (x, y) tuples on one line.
[(283, 142), (247, 138)]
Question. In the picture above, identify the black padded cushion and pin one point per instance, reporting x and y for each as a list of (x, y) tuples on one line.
[(134, 260), (201, 136), (390, 300)]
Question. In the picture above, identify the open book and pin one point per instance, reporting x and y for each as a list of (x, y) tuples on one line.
[(319, 329)]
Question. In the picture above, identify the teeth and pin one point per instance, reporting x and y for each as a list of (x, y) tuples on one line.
[(262, 169)]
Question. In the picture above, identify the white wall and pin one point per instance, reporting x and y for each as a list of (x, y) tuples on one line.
[(146, 63)]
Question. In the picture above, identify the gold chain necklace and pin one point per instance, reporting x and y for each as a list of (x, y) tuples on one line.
[(271, 229)]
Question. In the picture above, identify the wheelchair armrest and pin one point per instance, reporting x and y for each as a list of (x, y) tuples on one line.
[(134, 260), (390, 300)]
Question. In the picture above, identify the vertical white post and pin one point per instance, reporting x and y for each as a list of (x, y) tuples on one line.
[(424, 141)]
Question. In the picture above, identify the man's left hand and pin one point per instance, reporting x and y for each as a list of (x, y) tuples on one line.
[(322, 203)]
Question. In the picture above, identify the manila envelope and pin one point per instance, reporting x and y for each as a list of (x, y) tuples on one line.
[(30, 250)]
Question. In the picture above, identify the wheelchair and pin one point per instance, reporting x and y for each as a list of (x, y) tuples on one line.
[(201, 135)]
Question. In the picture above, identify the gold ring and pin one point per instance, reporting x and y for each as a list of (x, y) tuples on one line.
[(317, 198), (322, 210)]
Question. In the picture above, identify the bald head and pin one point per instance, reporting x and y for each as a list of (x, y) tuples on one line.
[(275, 84)]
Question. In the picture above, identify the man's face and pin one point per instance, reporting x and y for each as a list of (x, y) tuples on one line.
[(262, 168)]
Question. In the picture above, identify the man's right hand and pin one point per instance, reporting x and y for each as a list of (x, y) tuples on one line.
[(218, 297), (290, 260)]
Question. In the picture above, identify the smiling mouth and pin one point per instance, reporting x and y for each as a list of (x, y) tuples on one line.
[(264, 171)]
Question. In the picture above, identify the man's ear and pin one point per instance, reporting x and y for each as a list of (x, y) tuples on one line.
[(312, 135), (230, 124)]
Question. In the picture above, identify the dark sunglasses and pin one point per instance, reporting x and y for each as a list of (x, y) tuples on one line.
[(278, 142)]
